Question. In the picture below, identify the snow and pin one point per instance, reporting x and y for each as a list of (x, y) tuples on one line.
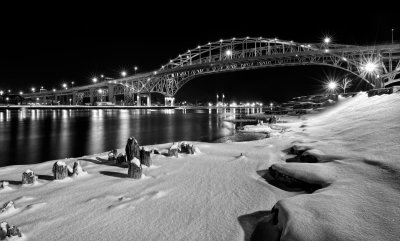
[(135, 161), (223, 193)]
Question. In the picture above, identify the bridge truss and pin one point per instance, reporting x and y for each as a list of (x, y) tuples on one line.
[(378, 65)]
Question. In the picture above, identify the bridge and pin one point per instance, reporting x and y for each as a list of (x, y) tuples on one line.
[(378, 65)]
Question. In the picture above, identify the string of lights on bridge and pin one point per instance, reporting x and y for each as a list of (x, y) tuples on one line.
[(370, 67)]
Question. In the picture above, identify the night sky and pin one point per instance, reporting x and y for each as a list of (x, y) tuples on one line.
[(51, 44)]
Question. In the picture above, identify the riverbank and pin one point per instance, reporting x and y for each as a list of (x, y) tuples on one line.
[(80, 107), (227, 191)]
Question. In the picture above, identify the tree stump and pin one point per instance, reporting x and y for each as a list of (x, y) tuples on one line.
[(187, 148), (112, 155), (9, 231), (29, 177), (173, 150), (132, 149), (7, 206), (77, 169), (134, 169), (60, 170), (145, 158), (121, 158)]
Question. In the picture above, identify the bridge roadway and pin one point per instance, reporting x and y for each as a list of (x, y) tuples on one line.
[(378, 65)]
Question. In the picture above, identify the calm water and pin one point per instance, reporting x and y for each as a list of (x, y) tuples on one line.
[(32, 136)]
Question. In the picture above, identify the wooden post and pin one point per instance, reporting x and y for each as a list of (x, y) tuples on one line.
[(60, 170), (77, 169), (112, 155), (132, 149), (145, 158), (134, 169), (121, 158), (29, 177)]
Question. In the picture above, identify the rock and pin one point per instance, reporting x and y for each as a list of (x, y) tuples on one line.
[(121, 158), (145, 158), (60, 170), (291, 181), (298, 150), (156, 151), (9, 231), (112, 155), (77, 169), (173, 150), (311, 156), (29, 177), (134, 169), (7, 206)]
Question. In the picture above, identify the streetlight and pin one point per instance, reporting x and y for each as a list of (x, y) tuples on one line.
[(54, 90), (1, 92), (7, 99), (9, 91), (223, 96), (33, 89), (94, 79), (228, 53), (72, 84), (392, 35), (21, 93), (331, 86), (271, 105), (136, 68), (70, 100), (65, 86), (216, 103), (123, 73), (327, 40)]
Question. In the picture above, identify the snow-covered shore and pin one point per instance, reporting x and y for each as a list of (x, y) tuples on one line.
[(225, 192)]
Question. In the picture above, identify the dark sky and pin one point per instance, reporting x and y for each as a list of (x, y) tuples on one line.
[(51, 44)]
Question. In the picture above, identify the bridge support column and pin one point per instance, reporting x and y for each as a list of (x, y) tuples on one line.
[(149, 99), (138, 99), (91, 93), (169, 101), (74, 97), (111, 97)]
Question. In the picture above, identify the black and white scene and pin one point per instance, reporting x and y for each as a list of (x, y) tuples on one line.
[(209, 121)]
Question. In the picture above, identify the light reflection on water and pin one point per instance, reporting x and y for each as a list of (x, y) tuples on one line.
[(32, 136)]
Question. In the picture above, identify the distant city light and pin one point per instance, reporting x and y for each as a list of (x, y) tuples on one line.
[(228, 52), (9, 91)]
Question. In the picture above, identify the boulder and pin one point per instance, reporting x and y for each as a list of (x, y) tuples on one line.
[(298, 150), (145, 158), (60, 170), (311, 156), (156, 151), (134, 169), (29, 177)]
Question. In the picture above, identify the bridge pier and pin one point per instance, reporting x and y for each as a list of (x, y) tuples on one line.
[(169, 101), (138, 99), (91, 94), (111, 97)]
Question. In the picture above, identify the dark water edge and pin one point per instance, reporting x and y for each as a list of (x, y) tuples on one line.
[(34, 136)]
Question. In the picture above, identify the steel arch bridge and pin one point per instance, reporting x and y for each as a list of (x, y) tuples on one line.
[(378, 65)]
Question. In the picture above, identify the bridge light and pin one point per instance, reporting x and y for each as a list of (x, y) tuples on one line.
[(276, 39), (155, 72), (123, 73), (209, 43), (377, 76), (247, 37), (233, 38), (94, 79), (370, 67), (1, 92), (21, 93), (54, 90), (65, 86), (344, 59), (332, 85), (228, 52), (327, 40), (326, 50), (198, 46), (102, 76), (33, 89)]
